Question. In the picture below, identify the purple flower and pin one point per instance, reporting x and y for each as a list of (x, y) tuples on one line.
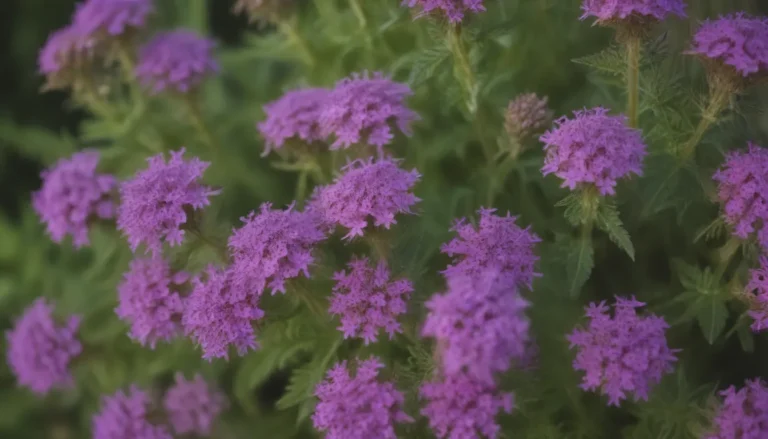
[(757, 288), (149, 300), (375, 189), (156, 200), (296, 115), (497, 243), (126, 416), (624, 353), (368, 300), (358, 407), (743, 191), (176, 60), (736, 40), (459, 407), (113, 18), (743, 414), (40, 351), (619, 10), (73, 194), (593, 148), (218, 315), (273, 246), (527, 115), (364, 106), (479, 324), (193, 406), (65, 54), (453, 9)]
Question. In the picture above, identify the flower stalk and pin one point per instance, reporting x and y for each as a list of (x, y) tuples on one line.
[(462, 67), (633, 79)]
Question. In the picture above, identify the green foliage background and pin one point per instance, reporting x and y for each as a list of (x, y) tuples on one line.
[(518, 46)]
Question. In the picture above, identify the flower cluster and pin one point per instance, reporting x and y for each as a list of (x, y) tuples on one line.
[(743, 414), (593, 148), (622, 354), (358, 407), (177, 60), (617, 10), (757, 290), (743, 192), (72, 195), (738, 41), (193, 406), (368, 300), (126, 416), (112, 18), (526, 116), (66, 52), (454, 10), (295, 115)]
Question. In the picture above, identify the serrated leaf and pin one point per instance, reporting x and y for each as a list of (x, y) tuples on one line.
[(608, 220), (574, 209), (712, 314), (611, 60), (304, 379), (579, 264)]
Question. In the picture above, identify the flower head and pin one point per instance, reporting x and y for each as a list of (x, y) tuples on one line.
[(496, 243), (64, 57), (368, 300), (454, 10), (125, 416), (622, 354), (619, 10), (177, 60), (295, 115), (461, 407), (149, 300), (73, 194), (376, 189), (361, 108), (112, 18), (738, 41), (193, 406), (526, 116), (757, 292), (40, 350), (218, 315), (593, 148), (358, 407), (743, 414), (154, 203), (479, 324), (743, 192), (270, 10)]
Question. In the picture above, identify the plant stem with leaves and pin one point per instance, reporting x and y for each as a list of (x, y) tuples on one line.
[(462, 67), (633, 79), (719, 97)]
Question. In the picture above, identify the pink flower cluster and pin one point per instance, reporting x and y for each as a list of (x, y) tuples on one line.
[(616, 10), (737, 40), (454, 10)]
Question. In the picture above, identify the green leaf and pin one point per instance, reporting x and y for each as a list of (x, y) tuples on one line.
[(608, 220), (611, 60), (579, 264), (712, 314), (304, 379), (659, 184)]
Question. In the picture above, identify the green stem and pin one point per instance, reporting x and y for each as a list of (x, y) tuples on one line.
[(379, 246), (718, 100), (358, 10), (462, 68), (288, 28), (725, 254), (633, 79)]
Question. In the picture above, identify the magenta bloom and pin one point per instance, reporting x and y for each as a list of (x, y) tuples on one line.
[(63, 56), (743, 191), (622, 354), (736, 40), (154, 203), (594, 149), (273, 246), (479, 324), (113, 18), (193, 406), (743, 414), (149, 300), (375, 189), (361, 108), (454, 10), (617, 10), (358, 407), (177, 61), (758, 286), (459, 407), (73, 194), (218, 315), (368, 300), (40, 350), (296, 115), (125, 416), (496, 243)]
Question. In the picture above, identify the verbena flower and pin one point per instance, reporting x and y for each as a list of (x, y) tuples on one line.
[(622, 354), (271, 10), (454, 10), (273, 246), (193, 406), (40, 350), (593, 148), (296, 115), (358, 407), (367, 190), (177, 60), (736, 40), (155, 202), (479, 324), (757, 288), (150, 302), (112, 18), (74, 194), (361, 108), (368, 300), (64, 57), (618, 10), (218, 315), (743, 414), (743, 192), (125, 416), (459, 407), (526, 116), (496, 243)]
